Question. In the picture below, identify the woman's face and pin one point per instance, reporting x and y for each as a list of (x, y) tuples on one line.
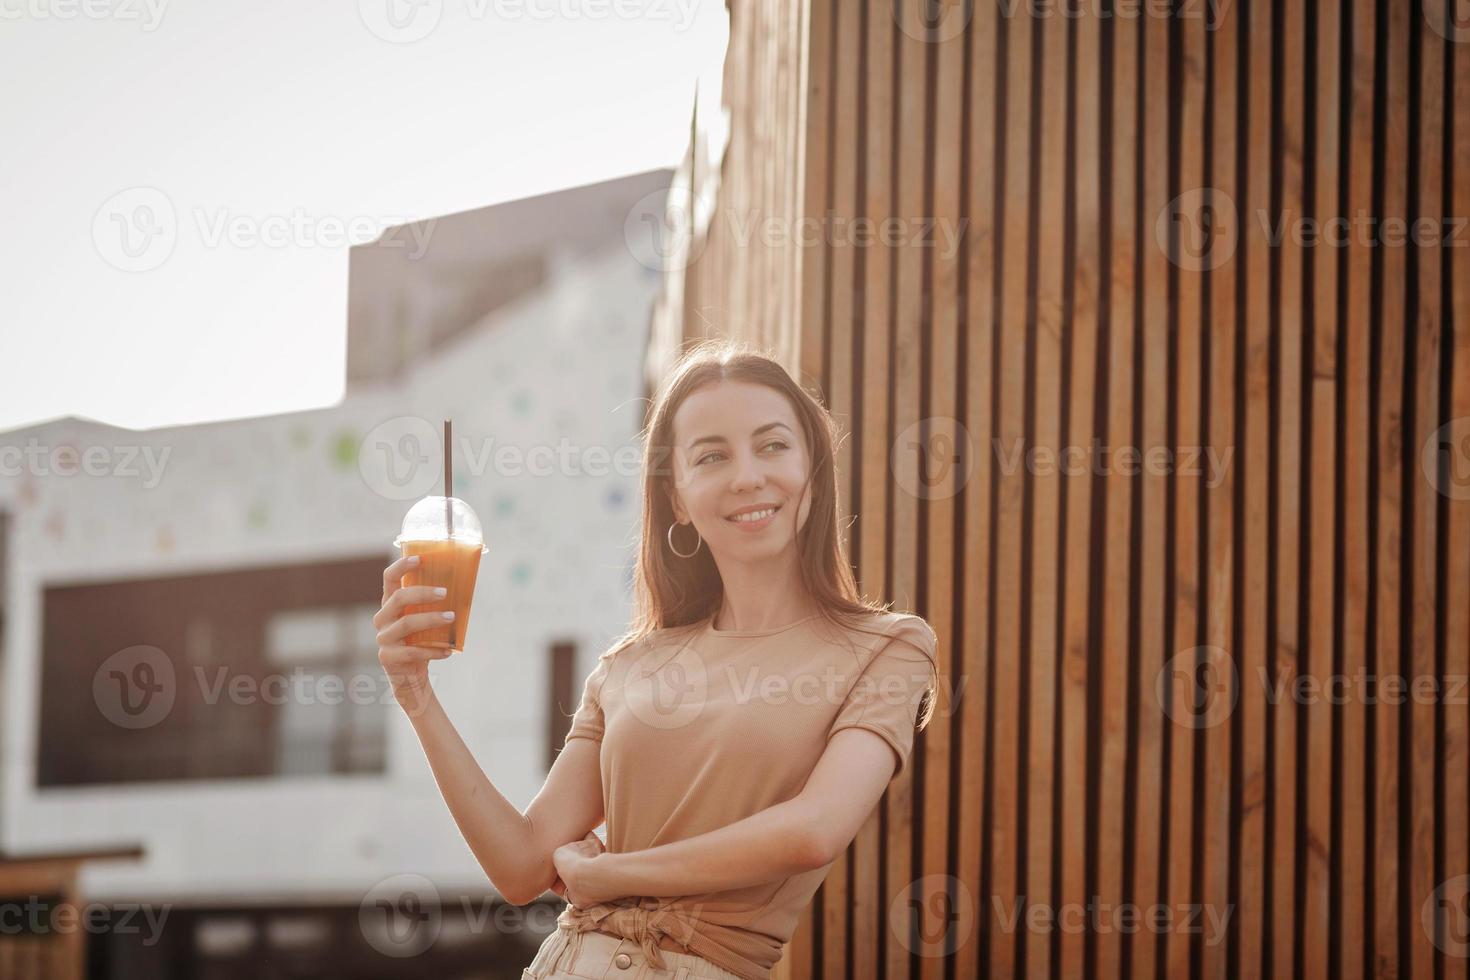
[(738, 447)]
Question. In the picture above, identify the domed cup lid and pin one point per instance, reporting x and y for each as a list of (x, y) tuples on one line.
[(431, 520)]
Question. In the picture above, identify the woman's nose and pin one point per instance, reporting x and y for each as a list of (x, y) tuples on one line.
[(747, 474)]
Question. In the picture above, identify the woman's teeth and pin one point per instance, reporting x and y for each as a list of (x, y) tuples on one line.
[(755, 515)]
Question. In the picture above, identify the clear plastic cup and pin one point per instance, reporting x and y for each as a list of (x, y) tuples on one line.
[(446, 535)]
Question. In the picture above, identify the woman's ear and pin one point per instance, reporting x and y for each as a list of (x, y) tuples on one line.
[(680, 514)]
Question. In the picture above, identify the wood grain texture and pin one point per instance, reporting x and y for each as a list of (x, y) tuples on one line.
[(1174, 265)]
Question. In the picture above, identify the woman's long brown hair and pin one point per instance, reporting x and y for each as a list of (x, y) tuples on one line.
[(673, 593)]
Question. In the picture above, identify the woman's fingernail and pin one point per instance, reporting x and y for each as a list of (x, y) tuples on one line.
[(441, 593), (447, 614), (413, 559)]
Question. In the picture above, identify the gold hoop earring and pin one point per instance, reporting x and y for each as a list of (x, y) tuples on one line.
[(676, 550)]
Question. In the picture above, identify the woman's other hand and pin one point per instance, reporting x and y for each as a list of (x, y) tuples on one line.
[(571, 861)]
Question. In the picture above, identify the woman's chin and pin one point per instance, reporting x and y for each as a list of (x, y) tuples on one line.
[(756, 547)]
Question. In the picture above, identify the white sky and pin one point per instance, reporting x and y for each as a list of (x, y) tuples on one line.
[(284, 120)]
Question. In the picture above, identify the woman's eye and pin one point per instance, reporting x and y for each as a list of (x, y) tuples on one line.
[(700, 460), (776, 442)]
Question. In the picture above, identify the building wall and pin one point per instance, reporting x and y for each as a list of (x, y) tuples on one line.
[(561, 363), (1113, 634)]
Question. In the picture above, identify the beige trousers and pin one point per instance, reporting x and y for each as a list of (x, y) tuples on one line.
[(600, 956)]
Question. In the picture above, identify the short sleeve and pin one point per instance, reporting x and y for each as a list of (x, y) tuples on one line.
[(588, 721), (885, 698)]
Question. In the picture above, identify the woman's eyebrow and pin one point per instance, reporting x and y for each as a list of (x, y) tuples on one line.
[(765, 428)]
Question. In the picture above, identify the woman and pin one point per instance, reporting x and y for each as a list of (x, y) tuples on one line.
[(739, 734)]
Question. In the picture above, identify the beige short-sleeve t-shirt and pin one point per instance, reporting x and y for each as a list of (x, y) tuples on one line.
[(702, 728)]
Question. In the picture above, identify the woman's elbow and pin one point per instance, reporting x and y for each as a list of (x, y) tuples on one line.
[(816, 848), (524, 893), (525, 887)]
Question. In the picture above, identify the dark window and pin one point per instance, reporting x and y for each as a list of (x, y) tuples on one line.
[(259, 672), (559, 714)]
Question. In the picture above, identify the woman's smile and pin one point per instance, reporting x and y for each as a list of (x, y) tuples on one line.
[(748, 519)]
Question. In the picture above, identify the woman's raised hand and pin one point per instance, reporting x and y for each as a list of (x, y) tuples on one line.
[(407, 666)]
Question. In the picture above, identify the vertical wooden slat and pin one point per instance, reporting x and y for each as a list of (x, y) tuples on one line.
[(1006, 838), (948, 132), (1424, 546), (1255, 874), (1287, 641), (1453, 829), (1149, 887), (1351, 927), (1045, 490), (1121, 489), (980, 277), (1386, 857), (821, 23), (1184, 652), (1076, 643), (1323, 506), (877, 288), (907, 367), (810, 290), (849, 890), (1220, 439)]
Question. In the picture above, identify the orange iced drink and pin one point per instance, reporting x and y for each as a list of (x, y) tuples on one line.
[(451, 565), (445, 533)]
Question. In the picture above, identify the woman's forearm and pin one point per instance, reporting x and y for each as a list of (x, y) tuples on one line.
[(773, 844), (498, 834)]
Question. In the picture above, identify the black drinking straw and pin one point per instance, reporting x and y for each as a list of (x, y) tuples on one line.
[(448, 477), (449, 509)]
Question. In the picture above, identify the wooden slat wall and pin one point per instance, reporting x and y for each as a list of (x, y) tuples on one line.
[(1135, 196)]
